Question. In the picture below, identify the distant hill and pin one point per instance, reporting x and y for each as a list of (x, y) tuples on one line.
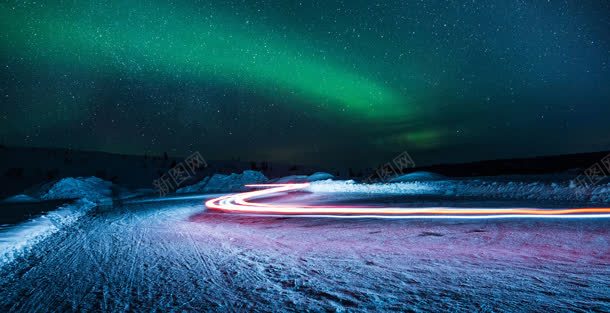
[(22, 168), (574, 163)]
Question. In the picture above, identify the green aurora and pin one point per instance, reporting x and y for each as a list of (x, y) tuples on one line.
[(341, 83), (180, 41)]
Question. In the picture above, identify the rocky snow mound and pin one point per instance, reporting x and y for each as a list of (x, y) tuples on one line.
[(225, 183)]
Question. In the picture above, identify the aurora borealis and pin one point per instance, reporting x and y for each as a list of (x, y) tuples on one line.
[(334, 83)]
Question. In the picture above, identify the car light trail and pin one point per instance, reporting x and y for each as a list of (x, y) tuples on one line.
[(239, 203)]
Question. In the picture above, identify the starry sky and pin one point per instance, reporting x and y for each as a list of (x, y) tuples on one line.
[(329, 83)]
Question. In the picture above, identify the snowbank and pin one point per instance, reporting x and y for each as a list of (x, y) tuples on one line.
[(198, 187), (19, 199), (225, 183), (349, 186), (482, 188), (91, 188), (418, 176), (19, 240), (532, 191), (236, 182), (317, 176), (290, 179)]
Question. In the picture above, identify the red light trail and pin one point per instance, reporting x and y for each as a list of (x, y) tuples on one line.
[(239, 203)]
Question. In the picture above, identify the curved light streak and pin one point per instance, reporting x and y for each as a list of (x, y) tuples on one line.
[(239, 203)]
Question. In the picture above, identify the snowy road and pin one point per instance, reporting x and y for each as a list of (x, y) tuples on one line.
[(173, 256)]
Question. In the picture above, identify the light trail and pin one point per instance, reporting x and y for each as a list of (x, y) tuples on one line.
[(239, 203)]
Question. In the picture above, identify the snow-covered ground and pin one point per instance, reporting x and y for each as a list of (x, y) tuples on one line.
[(18, 240), (484, 188), (174, 255)]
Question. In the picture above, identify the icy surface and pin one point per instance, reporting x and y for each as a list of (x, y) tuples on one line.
[(225, 183), (20, 239), (177, 257), (172, 255)]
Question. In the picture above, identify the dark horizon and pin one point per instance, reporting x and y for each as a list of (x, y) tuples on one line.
[(578, 163)]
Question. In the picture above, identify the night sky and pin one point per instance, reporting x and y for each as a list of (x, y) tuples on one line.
[(332, 83)]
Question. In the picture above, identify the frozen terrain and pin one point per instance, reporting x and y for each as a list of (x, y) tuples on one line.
[(19, 238), (143, 254), (225, 183)]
